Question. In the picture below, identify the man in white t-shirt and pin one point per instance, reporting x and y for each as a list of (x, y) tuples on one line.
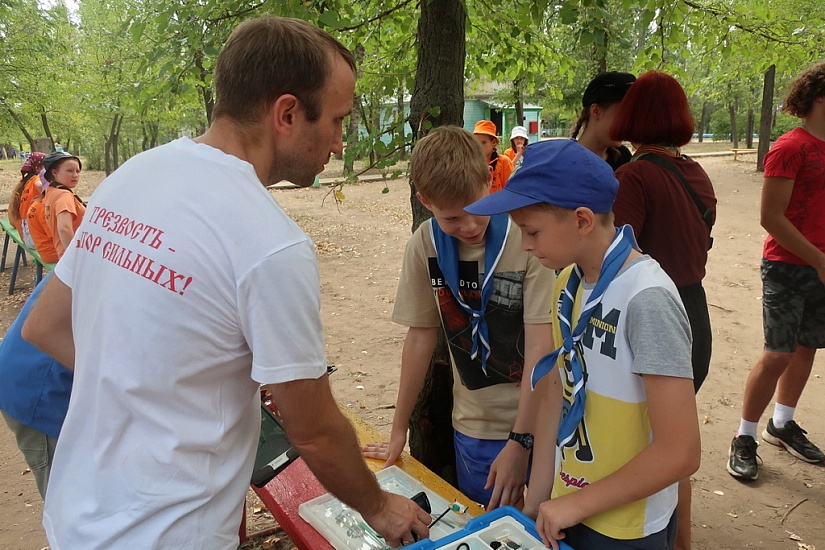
[(187, 287)]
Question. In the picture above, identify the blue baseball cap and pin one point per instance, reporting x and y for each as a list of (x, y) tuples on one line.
[(559, 172)]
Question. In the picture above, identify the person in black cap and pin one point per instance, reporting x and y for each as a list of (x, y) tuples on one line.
[(63, 210), (600, 101)]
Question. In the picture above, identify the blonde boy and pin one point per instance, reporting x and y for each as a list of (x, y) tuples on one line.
[(467, 276), (628, 430)]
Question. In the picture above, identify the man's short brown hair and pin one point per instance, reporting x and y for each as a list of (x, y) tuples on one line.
[(448, 167), (267, 57), (804, 90)]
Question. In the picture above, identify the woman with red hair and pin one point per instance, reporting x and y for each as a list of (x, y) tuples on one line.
[(669, 201)]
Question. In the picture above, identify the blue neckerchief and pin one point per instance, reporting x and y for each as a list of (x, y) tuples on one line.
[(446, 251), (614, 259)]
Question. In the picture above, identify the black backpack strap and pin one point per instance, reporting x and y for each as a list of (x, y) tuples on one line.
[(704, 211), (63, 187)]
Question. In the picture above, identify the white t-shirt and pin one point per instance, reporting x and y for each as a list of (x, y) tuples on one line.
[(190, 286), (640, 327)]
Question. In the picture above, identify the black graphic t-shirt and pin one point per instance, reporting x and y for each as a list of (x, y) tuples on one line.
[(484, 406), (504, 315)]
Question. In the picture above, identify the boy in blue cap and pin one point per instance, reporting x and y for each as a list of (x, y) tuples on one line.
[(628, 430)]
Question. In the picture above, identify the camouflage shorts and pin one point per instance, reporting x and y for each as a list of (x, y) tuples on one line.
[(793, 306)]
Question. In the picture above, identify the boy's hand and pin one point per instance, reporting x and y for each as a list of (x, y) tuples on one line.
[(388, 452), (507, 475), (554, 516), (530, 511)]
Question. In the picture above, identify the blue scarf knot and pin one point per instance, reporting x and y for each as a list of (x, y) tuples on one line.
[(571, 348), (446, 251)]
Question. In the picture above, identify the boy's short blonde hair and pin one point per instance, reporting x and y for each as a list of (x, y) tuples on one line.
[(448, 167)]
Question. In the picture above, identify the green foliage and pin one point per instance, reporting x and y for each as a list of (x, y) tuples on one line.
[(783, 124), (148, 63)]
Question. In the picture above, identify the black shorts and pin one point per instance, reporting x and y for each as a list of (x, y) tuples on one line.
[(793, 307), (582, 536)]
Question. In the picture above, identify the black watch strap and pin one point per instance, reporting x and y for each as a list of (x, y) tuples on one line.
[(525, 439)]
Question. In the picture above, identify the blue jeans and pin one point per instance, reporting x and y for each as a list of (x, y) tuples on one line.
[(473, 459)]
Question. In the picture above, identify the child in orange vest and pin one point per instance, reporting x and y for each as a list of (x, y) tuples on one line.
[(501, 166)]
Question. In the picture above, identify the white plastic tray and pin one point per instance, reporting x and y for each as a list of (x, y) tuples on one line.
[(345, 529), (509, 533)]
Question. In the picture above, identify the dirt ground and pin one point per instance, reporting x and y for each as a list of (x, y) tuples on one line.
[(360, 245)]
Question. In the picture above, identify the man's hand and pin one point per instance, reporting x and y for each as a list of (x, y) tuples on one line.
[(400, 520), (507, 475)]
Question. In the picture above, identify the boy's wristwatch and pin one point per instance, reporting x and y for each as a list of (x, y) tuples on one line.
[(525, 440)]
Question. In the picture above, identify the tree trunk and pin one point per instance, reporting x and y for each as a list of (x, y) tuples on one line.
[(438, 93), (116, 142), (703, 122), (601, 49), (107, 155), (431, 423), (519, 104), (766, 118), (402, 153), (437, 99), (641, 31), (352, 134), (749, 135), (154, 128), (149, 137), (734, 133), (111, 161), (355, 117), (204, 90), (45, 122), (20, 125)]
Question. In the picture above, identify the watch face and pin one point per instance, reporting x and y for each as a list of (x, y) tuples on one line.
[(525, 440)]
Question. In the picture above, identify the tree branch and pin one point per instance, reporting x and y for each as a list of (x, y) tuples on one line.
[(727, 17), (377, 17), (237, 14)]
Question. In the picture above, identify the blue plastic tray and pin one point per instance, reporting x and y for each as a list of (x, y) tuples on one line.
[(500, 524)]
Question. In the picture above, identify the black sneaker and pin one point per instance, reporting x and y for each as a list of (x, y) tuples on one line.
[(742, 457), (793, 438)]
